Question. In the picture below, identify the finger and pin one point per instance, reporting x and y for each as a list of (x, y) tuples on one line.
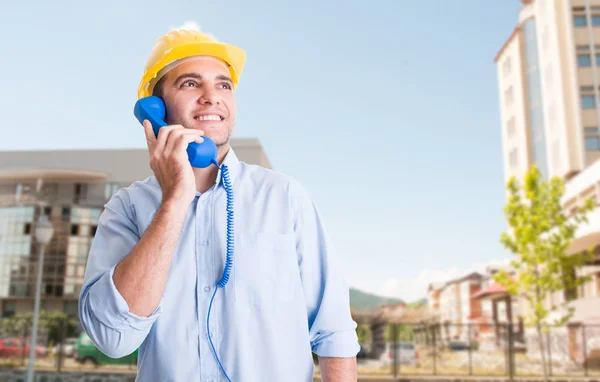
[(189, 135), (200, 138), (163, 137), (150, 137), (183, 141)]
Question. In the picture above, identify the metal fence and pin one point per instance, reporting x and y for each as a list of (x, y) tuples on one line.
[(391, 350), (483, 350), (61, 346)]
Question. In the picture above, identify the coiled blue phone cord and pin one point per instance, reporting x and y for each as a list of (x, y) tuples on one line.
[(229, 258)]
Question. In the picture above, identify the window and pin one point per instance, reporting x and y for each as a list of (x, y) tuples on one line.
[(93, 230), (18, 191), (27, 229), (510, 127), (71, 308), (9, 308), (596, 20), (80, 192), (65, 212), (47, 210), (592, 139), (569, 275), (592, 144), (506, 66), (584, 60), (512, 158), (508, 96), (588, 102), (74, 229), (579, 21), (110, 189)]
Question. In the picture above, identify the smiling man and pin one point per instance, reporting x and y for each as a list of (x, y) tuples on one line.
[(160, 248)]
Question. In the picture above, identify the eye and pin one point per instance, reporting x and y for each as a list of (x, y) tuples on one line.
[(226, 85), (188, 83)]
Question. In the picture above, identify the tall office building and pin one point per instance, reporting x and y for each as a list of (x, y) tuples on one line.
[(71, 187), (549, 87), (549, 83)]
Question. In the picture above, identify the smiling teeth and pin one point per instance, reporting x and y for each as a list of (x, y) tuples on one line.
[(209, 118)]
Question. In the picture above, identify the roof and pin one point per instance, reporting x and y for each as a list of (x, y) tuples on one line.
[(396, 315), (514, 33), (118, 165), (491, 292)]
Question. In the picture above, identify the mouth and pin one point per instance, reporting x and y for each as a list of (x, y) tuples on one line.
[(209, 118)]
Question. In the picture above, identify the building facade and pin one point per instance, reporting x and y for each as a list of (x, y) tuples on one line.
[(71, 187), (454, 306), (549, 91), (549, 87)]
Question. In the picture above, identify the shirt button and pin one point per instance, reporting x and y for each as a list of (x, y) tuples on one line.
[(207, 288), (205, 242)]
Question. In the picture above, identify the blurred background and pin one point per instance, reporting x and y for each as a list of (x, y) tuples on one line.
[(404, 120)]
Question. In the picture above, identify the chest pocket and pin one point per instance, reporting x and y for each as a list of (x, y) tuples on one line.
[(265, 268)]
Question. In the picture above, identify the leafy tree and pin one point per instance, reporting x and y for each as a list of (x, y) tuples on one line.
[(49, 321), (540, 234)]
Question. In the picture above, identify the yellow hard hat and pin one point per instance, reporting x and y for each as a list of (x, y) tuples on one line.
[(183, 43)]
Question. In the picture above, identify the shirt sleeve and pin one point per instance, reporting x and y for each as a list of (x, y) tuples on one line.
[(331, 327), (103, 311)]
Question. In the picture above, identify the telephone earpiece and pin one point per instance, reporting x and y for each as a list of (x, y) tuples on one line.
[(153, 109)]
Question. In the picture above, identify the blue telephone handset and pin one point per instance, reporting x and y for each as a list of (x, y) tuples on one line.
[(153, 109), (201, 155)]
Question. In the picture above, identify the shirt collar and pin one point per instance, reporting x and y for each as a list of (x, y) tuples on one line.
[(233, 165)]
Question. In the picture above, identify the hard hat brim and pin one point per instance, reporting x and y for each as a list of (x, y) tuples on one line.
[(233, 56)]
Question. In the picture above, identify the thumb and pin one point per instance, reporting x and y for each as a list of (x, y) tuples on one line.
[(150, 137)]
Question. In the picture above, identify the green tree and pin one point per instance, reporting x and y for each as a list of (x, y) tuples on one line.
[(49, 321), (363, 331), (405, 333), (540, 234)]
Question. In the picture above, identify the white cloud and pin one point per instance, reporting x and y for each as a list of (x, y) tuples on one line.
[(193, 25), (412, 289)]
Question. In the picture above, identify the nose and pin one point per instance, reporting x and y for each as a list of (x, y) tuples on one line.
[(209, 96)]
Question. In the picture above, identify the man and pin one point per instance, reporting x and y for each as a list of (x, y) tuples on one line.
[(160, 248)]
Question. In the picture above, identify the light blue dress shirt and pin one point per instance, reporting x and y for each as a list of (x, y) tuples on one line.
[(285, 298)]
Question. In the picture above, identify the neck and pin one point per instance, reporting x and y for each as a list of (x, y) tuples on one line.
[(206, 177)]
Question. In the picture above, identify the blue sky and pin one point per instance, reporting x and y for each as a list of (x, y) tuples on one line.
[(387, 111)]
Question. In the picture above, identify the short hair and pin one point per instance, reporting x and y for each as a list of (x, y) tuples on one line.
[(158, 88)]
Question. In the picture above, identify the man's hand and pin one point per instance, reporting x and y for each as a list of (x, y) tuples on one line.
[(338, 369), (170, 164)]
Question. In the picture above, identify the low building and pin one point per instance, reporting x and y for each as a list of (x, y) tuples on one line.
[(71, 187)]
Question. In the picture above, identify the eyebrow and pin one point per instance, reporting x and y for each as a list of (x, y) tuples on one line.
[(197, 76)]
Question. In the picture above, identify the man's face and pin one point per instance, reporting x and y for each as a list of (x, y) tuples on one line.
[(199, 95)]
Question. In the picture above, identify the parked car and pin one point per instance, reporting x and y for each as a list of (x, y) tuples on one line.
[(406, 354), (68, 347), (86, 351), (17, 346), (362, 353), (456, 345)]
